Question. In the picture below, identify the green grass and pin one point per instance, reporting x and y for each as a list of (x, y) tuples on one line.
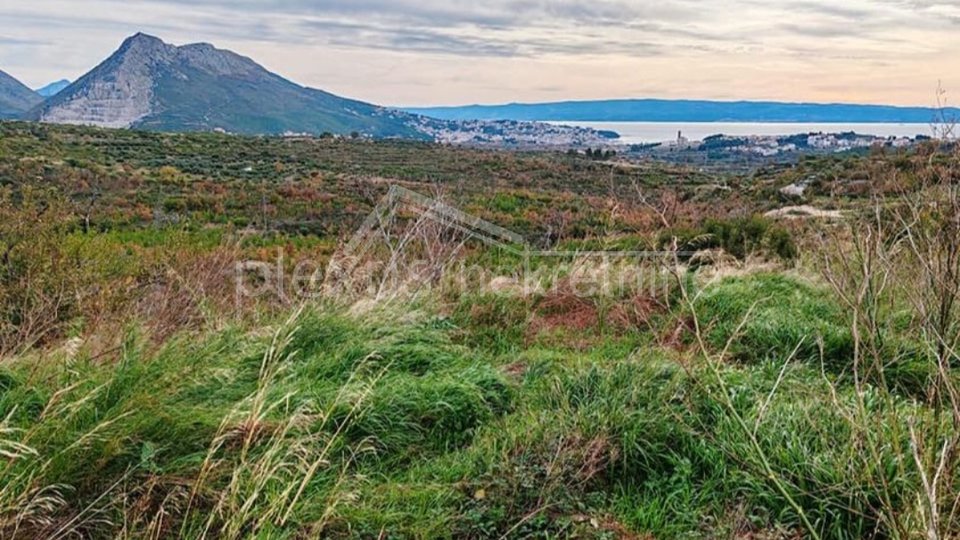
[(157, 417), (431, 427), (459, 415), (770, 316)]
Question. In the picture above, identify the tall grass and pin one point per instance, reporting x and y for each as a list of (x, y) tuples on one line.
[(234, 435), (385, 423)]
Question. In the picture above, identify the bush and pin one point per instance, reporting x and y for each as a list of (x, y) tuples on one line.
[(39, 280), (783, 314), (497, 322), (741, 238)]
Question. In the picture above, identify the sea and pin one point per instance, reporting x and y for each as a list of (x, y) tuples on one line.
[(654, 132)]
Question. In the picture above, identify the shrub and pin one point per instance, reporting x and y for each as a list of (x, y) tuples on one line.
[(740, 237), (780, 314), (496, 322)]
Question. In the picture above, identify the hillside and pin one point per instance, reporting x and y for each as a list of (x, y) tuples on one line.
[(15, 97), (660, 110), (178, 359)]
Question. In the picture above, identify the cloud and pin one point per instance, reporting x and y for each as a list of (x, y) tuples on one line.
[(14, 42), (833, 10), (475, 50), (503, 28), (457, 13), (493, 43), (497, 28)]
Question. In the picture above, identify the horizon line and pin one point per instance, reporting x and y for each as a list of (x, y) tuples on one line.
[(730, 101)]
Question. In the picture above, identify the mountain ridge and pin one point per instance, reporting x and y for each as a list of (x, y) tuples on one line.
[(152, 85), (687, 110), (149, 84), (15, 97)]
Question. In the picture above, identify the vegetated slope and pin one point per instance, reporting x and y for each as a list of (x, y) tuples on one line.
[(142, 396), (661, 110), (15, 97), (325, 185), (150, 84)]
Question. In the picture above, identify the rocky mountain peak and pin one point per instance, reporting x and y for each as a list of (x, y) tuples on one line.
[(153, 84), (144, 48), (116, 93), (142, 41), (220, 62)]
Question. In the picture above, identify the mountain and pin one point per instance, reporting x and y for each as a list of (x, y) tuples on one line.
[(660, 110), (15, 97), (150, 84), (53, 88)]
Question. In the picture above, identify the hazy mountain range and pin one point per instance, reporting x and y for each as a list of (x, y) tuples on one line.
[(53, 88), (660, 110)]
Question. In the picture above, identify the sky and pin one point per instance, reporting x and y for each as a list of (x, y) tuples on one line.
[(449, 52)]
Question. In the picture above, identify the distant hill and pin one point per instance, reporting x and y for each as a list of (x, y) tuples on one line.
[(150, 84), (53, 88), (15, 97), (660, 110)]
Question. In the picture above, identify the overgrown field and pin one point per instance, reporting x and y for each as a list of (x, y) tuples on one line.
[(790, 378)]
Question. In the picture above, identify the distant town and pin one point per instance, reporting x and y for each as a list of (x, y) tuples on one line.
[(774, 145), (744, 151)]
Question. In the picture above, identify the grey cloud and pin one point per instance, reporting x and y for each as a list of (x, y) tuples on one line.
[(683, 31), (518, 28), (833, 10), (66, 22), (825, 31), (432, 41), (13, 42), (429, 43), (923, 4), (808, 31), (495, 39), (495, 28), (496, 14)]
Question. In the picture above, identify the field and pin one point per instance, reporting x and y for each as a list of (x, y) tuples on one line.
[(788, 377)]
